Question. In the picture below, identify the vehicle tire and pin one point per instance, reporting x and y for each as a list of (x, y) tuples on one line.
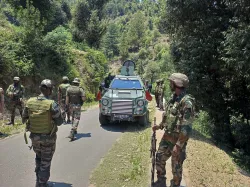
[(143, 120), (103, 120)]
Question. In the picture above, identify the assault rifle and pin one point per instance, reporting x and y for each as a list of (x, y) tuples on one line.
[(152, 154)]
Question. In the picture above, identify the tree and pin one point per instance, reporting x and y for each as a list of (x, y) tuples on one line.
[(136, 31), (111, 40)]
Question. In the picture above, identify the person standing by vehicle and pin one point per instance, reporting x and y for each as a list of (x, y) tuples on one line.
[(157, 89), (75, 96), (161, 94), (42, 116), (62, 98), (15, 92), (177, 122)]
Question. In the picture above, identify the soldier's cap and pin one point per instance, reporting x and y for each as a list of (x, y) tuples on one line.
[(180, 79), (65, 78), (76, 80), (47, 83), (16, 79)]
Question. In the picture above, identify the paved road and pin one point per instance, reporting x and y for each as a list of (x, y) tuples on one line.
[(73, 161)]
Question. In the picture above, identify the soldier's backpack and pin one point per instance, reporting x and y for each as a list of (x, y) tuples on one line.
[(40, 120), (74, 93), (63, 88)]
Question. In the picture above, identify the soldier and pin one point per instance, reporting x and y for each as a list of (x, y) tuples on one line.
[(62, 97), (161, 94), (157, 87), (16, 94), (108, 80), (42, 116), (1, 101), (177, 122), (75, 96)]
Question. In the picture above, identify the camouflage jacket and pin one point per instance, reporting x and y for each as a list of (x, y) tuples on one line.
[(17, 91), (179, 116)]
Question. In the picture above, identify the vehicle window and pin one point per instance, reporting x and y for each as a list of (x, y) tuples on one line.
[(126, 84)]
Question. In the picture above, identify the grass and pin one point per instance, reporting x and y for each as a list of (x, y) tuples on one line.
[(8, 130), (127, 163), (208, 165), (89, 105)]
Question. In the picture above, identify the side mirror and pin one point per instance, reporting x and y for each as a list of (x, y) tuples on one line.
[(99, 96)]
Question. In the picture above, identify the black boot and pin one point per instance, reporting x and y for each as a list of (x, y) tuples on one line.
[(172, 184), (72, 135), (161, 182), (11, 122)]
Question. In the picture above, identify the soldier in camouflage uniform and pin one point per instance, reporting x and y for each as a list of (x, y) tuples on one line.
[(161, 94), (62, 98), (177, 122), (16, 94), (1, 100), (157, 87), (42, 116), (75, 96)]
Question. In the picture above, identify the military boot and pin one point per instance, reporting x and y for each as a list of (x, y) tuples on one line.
[(11, 122), (172, 184), (161, 182), (72, 135)]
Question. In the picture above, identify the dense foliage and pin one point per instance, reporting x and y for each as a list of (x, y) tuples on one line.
[(37, 41), (210, 43)]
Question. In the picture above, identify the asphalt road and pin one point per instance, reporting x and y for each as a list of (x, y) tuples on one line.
[(72, 162)]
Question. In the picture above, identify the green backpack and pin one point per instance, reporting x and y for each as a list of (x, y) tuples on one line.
[(40, 120)]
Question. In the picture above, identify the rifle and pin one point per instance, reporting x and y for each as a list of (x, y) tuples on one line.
[(152, 154)]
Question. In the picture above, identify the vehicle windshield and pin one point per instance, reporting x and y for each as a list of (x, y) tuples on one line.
[(126, 84)]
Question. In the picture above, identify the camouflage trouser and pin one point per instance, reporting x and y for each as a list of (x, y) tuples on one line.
[(157, 100), (75, 111), (164, 153), (44, 146), (12, 107), (160, 101), (63, 109)]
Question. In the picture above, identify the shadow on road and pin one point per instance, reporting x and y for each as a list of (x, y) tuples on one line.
[(124, 127), (60, 184), (83, 135)]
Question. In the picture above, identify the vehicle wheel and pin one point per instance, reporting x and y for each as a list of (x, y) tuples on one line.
[(103, 120), (143, 120)]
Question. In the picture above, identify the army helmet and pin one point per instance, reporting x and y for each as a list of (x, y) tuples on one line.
[(65, 78), (16, 79), (76, 80), (180, 80), (47, 83)]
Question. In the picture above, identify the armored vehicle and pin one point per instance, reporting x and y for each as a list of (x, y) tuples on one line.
[(126, 99)]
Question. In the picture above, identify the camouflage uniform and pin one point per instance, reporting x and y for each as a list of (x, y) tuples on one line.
[(16, 94), (62, 98), (157, 93), (74, 94), (177, 122), (1, 100), (161, 94), (43, 140)]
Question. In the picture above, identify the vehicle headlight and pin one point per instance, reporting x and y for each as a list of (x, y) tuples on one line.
[(140, 103), (105, 102)]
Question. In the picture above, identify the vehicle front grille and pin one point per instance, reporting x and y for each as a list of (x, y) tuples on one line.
[(122, 107)]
